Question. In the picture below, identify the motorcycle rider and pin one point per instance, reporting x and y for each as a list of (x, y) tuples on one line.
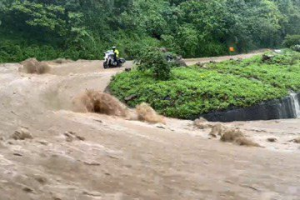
[(116, 53)]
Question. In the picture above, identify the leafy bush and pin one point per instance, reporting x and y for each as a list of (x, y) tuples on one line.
[(10, 51), (193, 91), (156, 61), (288, 57), (291, 40), (17, 50), (296, 48)]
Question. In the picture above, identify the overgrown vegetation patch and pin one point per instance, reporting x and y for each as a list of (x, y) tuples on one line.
[(193, 91), (281, 71)]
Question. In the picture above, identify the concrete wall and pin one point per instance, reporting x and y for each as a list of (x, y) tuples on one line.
[(275, 109)]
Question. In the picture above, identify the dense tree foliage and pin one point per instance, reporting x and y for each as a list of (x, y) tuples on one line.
[(291, 40), (48, 29)]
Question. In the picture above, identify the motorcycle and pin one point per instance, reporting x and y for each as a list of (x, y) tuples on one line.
[(109, 60)]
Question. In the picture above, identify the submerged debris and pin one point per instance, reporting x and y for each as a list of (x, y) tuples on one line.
[(71, 136), (21, 134), (237, 137), (297, 140), (272, 139), (202, 123), (217, 130), (225, 134)]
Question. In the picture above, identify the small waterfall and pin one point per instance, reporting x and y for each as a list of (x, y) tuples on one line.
[(296, 105)]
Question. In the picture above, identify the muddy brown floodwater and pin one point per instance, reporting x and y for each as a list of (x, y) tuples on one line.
[(58, 154)]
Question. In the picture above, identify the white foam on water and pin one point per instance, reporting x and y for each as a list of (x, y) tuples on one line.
[(295, 102)]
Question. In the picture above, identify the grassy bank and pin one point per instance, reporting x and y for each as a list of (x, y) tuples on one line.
[(193, 91)]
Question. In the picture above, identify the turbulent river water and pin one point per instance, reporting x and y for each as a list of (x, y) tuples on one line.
[(296, 103), (88, 156)]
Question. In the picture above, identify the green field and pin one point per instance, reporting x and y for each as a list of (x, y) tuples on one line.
[(193, 90)]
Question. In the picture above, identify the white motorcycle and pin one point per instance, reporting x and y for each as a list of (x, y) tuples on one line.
[(110, 62)]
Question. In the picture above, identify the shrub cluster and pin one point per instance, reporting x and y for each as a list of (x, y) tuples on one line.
[(292, 40), (158, 61)]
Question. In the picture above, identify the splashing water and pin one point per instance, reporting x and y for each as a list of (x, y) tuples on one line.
[(295, 101)]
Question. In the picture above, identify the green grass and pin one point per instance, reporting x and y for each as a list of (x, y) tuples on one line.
[(282, 72), (193, 91)]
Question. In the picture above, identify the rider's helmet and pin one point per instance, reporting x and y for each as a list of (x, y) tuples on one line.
[(114, 47)]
